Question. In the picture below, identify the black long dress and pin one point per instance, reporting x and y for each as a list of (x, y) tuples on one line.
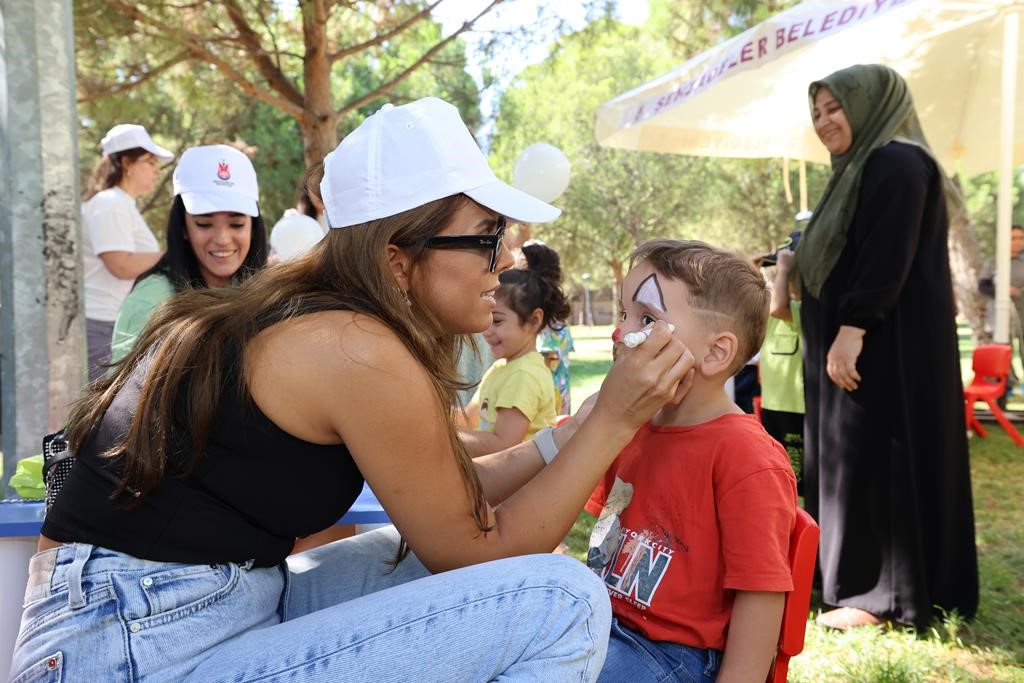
[(886, 466)]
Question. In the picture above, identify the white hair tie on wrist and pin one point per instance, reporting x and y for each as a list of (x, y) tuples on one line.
[(545, 440)]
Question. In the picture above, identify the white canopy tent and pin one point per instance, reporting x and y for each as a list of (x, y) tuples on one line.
[(747, 97)]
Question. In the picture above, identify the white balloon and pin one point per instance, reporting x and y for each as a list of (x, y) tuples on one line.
[(294, 234), (542, 170)]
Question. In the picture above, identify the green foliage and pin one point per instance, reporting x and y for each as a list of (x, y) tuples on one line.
[(143, 72), (183, 106), (618, 199), (981, 195), (693, 26)]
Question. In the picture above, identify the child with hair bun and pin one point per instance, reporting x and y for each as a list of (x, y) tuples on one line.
[(517, 396), (555, 343)]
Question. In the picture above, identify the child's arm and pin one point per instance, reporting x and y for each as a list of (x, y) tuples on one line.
[(468, 417), (509, 429), (753, 636), (780, 286)]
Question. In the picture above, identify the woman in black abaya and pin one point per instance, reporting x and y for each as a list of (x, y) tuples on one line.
[(886, 463)]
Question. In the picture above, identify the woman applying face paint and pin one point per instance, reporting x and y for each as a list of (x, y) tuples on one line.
[(247, 416), (886, 465)]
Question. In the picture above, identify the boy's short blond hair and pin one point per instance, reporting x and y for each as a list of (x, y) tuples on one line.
[(717, 282)]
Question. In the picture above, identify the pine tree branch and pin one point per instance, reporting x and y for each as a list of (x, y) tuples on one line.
[(197, 49), (95, 94), (387, 35), (264, 64), (388, 86)]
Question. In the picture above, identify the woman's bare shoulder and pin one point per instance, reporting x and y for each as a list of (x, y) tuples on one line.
[(301, 370)]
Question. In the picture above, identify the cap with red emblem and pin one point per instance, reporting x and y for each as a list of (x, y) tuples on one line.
[(216, 178)]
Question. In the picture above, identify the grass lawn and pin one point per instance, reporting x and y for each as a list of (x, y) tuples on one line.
[(991, 648)]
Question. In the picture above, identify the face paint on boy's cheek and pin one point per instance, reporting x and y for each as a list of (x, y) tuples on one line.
[(649, 293), (616, 335)]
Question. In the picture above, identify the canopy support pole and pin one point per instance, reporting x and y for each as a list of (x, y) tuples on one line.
[(803, 186), (785, 180), (1011, 25)]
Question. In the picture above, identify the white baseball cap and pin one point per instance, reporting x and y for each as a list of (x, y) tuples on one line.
[(403, 157), (216, 178), (131, 136), (295, 234)]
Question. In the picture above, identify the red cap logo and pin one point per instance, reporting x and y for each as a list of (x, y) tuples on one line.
[(223, 170)]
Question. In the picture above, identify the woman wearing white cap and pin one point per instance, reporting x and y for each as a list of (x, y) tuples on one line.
[(247, 416), (215, 237), (117, 244)]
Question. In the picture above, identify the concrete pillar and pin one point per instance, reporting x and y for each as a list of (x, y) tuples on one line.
[(42, 324)]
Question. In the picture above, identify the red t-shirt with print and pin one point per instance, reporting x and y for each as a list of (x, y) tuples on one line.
[(691, 515)]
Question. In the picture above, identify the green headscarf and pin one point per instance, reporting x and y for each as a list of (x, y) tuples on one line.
[(879, 109)]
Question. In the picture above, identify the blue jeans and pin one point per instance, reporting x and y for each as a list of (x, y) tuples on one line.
[(632, 658), (334, 613)]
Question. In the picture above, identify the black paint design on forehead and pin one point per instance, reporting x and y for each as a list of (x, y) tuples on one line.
[(649, 294)]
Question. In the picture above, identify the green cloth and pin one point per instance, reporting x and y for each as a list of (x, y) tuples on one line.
[(879, 109), (782, 364), (27, 479), (135, 312)]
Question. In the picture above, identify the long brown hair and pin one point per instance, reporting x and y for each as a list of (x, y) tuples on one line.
[(198, 338), (109, 171)]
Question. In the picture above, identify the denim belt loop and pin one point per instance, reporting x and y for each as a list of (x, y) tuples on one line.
[(76, 599), (714, 662)]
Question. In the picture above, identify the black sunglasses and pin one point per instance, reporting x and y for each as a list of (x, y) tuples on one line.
[(490, 242)]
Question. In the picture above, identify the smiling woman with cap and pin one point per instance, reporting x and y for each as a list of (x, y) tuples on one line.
[(248, 416), (117, 244), (215, 236)]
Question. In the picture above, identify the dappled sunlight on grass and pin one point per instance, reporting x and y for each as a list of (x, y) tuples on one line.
[(589, 363)]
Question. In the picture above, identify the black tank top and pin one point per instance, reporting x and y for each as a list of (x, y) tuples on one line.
[(256, 489)]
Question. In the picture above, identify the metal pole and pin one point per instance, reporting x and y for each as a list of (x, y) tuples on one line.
[(803, 186), (1011, 31)]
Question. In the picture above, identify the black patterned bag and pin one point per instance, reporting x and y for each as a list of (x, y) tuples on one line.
[(57, 462)]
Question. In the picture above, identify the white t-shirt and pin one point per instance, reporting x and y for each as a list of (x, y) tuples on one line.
[(110, 222)]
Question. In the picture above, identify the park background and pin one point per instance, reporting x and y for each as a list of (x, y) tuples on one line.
[(284, 81)]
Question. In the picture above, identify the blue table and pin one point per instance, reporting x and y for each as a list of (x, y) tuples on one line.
[(25, 517), (20, 517), (366, 510)]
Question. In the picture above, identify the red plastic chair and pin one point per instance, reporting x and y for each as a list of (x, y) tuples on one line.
[(991, 364), (803, 552)]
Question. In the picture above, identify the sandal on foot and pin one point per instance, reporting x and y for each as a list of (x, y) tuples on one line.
[(845, 618)]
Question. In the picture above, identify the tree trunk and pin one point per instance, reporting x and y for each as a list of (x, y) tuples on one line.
[(318, 138), (965, 264), (618, 275), (319, 124)]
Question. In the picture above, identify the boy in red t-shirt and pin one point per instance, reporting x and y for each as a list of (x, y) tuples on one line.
[(695, 514)]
